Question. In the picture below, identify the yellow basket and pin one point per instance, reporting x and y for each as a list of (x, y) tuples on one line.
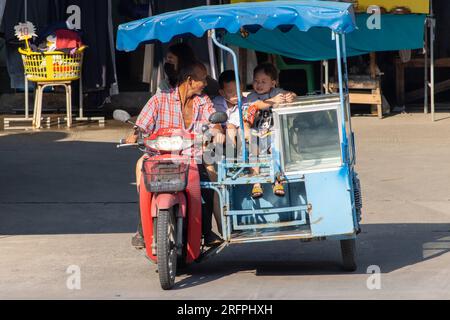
[(52, 66)]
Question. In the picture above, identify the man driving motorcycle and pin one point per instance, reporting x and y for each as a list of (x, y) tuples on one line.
[(184, 107)]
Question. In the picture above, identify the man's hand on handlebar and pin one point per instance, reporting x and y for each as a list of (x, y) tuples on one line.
[(219, 138), (132, 138), (218, 135)]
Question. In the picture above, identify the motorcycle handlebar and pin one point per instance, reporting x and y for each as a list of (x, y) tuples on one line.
[(127, 145)]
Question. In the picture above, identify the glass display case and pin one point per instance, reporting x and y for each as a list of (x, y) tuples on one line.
[(307, 134)]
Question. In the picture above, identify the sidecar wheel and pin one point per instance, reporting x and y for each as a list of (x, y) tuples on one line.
[(348, 249), (166, 249)]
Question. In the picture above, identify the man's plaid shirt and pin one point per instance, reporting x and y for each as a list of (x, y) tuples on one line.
[(163, 110)]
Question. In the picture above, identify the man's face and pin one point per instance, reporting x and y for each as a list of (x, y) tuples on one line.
[(229, 92), (263, 83), (198, 83)]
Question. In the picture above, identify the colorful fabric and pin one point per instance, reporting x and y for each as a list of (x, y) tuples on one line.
[(67, 39), (250, 114), (163, 110)]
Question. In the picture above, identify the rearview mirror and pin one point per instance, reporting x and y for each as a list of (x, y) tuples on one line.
[(218, 117), (121, 115)]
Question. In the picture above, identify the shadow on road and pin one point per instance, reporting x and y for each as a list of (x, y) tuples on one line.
[(49, 186), (389, 246)]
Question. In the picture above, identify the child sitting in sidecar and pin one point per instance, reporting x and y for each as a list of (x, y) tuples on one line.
[(228, 102), (256, 111), (262, 99)]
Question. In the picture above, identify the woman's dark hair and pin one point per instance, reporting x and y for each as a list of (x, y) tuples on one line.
[(184, 53), (268, 69)]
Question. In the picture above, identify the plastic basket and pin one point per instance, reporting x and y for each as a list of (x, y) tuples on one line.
[(165, 176), (52, 66)]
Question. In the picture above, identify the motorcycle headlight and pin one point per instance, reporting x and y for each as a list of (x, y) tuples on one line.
[(168, 144)]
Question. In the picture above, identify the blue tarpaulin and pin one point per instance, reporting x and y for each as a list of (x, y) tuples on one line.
[(398, 32), (273, 15)]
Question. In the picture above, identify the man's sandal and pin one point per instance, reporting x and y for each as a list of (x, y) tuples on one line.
[(212, 240), (278, 190), (138, 242), (257, 191)]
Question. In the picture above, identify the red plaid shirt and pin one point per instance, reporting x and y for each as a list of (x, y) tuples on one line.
[(163, 110)]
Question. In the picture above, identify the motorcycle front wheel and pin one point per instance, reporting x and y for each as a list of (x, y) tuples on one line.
[(166, 249)]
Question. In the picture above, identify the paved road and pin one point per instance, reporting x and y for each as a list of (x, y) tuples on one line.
[(67, 199)]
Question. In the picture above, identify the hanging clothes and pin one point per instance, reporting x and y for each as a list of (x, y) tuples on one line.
[(39, 13), (98, 63), (442, 12), (199, 45), (2, 10)]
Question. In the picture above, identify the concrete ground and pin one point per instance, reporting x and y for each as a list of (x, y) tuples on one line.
[(67, 198)]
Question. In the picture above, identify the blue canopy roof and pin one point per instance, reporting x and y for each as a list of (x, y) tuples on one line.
[(304, 15), (399, 32)]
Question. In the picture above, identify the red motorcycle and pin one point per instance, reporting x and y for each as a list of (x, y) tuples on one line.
[(170, 198)]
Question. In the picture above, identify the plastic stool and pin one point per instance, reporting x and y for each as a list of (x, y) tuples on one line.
[(308, 68), (37, 113)]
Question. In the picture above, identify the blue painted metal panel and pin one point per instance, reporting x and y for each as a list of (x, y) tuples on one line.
[(242, 200), (329, 194), (295, 196)]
